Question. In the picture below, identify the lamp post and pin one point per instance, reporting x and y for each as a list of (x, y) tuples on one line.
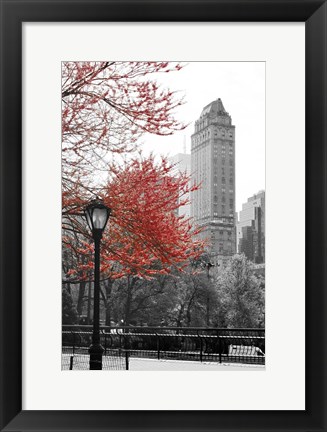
[(97, 215), (208, 266)]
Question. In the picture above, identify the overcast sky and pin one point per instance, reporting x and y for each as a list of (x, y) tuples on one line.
[(241, 87)]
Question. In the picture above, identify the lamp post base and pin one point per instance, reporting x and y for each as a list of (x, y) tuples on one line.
[(96, 352)]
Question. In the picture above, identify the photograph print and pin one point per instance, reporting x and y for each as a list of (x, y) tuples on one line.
[(163, 216)]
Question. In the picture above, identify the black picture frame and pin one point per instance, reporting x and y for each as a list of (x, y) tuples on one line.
[(13, 14)]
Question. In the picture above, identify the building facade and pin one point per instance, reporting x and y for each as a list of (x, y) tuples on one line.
[(251, 228), (182, 165), (213, 167)]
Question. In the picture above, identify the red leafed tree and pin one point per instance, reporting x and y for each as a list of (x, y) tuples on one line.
[(106, 107), (145, 235)]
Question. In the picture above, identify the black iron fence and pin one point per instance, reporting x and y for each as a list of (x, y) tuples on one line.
[(75, 350), (113, 360), (191, 343)]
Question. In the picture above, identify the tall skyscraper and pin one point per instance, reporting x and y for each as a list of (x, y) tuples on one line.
[(213, 167), (251, 228)]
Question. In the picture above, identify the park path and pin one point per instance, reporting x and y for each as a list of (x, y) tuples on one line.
[(136, 364)]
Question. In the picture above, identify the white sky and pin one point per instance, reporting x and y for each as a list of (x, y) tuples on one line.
[(241, 87)]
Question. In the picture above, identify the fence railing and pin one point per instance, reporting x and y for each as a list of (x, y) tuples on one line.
[(178, 343), (113, 360)]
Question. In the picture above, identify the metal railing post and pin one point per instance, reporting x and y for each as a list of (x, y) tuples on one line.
[(105, 343), (219, 346), (128, 342), (201, 347), (73, 333), (158, 346)]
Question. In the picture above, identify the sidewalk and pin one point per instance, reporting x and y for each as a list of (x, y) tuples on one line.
[(138, 364)]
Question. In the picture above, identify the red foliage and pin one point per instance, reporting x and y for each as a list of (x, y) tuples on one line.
[(145, 235), (107, 106)]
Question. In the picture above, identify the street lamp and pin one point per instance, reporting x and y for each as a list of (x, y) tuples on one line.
[(208, 266), (97, 215)]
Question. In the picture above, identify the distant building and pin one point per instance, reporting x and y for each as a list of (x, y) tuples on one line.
[(182, 165), (213, 167), (251, 228)]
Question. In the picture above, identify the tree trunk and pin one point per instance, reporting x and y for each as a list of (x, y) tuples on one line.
[(208, 310), (180, 315), (68, 288), (188, 310), (108, 288), (80, 300), (130, 284), (188, 314)]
